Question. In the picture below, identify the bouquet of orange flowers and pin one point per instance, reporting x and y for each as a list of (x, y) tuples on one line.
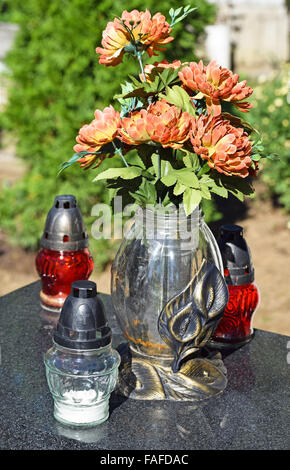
[(171, 115)]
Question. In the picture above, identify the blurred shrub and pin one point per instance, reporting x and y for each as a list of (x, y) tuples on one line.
[(56, 84), (6, 13), (271, 116)]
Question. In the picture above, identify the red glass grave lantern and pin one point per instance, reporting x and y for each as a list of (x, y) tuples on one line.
[(64, 256), (235, 327)]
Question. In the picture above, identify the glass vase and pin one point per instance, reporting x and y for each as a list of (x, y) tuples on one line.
[(158, 257)]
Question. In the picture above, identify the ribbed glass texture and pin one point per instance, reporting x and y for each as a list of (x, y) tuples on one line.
[(235, 326), (80, 379), (57, 270)]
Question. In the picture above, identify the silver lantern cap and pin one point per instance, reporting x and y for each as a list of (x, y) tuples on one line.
[(64, 227)]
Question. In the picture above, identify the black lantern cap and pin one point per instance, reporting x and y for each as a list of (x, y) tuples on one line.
[(236, 255), (82, 323), (64, 227)]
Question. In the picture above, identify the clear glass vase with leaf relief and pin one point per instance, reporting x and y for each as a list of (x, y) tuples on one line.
[(162, 251)]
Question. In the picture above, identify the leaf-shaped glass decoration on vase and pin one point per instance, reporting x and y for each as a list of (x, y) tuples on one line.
[(187, 321)]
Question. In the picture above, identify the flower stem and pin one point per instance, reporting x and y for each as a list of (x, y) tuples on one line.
[(159, 166), (143, 73), (122, 156), (141, 65), (119, 151), (159, 171)]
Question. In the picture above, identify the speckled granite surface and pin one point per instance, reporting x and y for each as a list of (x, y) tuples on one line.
[(252, 413)]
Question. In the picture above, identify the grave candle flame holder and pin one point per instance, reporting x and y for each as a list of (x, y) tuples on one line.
[(64, 256), (235, 327), (82, 367)]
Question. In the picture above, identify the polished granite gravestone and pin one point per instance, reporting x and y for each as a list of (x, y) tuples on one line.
[(252, 413)]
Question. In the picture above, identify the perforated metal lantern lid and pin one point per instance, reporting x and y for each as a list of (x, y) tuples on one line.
[(236, 255), (64, 227), (82, 323)]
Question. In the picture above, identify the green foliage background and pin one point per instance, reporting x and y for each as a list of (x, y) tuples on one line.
[(271, 116), (56, 84)]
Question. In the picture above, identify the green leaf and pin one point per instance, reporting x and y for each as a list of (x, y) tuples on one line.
[(169, 179), (205, 169), (165, 165), (243, 185), (191, 199), (166, 200), (128, 104), (70, 162), (205, 191), (184, 176), (146, 193), (126, 87), (214, 184), (239, 122), (176, 13), (187, 177), (135, 81), (161, 78), (239, 187), (135, 160), (145, 152), (191, 160), (180, 98), (219, 190), (179, 189), (126, 173), (137, 198), (273, 157), (238, 194), (186, 12), (137, 92), (155, 158)]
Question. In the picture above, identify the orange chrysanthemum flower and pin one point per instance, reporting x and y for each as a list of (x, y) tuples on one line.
[(137, 27), (216, 83), (226, 148), (158, 66), (102, 130), (161, 123)]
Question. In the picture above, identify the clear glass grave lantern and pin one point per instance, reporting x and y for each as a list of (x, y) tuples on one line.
[(82, 366)]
